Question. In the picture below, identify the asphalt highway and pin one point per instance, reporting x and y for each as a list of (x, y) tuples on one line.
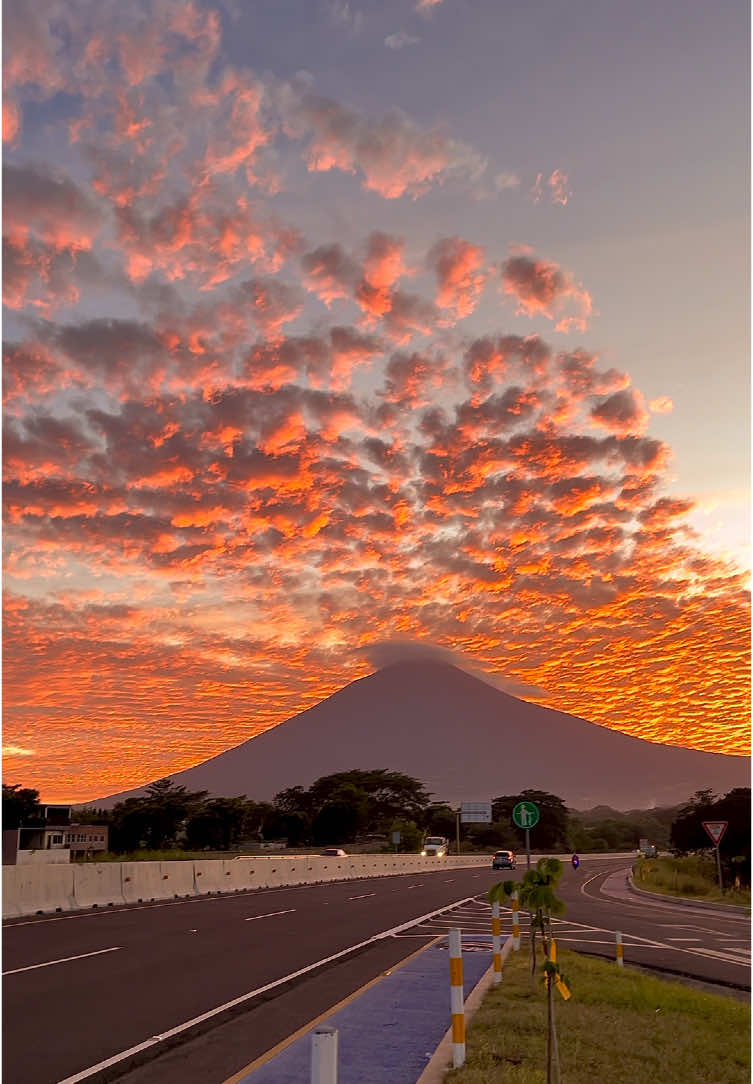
[(82, 990)]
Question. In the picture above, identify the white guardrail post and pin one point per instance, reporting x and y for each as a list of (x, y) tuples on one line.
[(496, 943), (457, 1001), (324, 1056), (515, 921), (620, 950)]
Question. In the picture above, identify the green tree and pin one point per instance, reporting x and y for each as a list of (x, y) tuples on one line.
[(154, 819), (294, 800), (411, 836), (538, 897), (343, 805), (19, 804), (439, 820), (390, 795), (336, 822), (218, 824)]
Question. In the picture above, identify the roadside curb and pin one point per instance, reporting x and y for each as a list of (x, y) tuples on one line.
[(725, 908), (440, 1062)]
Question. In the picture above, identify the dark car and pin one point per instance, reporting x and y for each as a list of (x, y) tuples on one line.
[(503, 860)]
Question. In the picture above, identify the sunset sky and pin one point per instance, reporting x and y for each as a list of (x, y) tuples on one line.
[(335, 327)]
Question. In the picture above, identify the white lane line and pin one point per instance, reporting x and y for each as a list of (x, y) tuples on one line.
[(271, 914), (683, 938), (156, 1039), (64, 960), (711, 954), (365, 896)]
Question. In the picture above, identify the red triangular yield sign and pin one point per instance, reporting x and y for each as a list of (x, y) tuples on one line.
[(716, 830)]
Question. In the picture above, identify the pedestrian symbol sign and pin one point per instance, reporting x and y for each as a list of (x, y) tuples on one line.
[(526, 814), (715, 830)]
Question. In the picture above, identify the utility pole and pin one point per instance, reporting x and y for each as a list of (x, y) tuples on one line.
[(457, 830)]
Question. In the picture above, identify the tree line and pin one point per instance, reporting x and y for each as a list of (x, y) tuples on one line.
[(367, 806)]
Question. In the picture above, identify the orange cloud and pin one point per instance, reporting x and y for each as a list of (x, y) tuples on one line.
[(543, 288), (221, 437), (11, 121), (458, 266)]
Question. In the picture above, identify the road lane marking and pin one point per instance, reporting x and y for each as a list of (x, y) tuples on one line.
[(271, 914), (155, 1040), (684, 939), (64, 960), (365, 896)]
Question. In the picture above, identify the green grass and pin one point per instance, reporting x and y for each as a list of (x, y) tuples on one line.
[(619, 1026), (694, 877), (160, 856)]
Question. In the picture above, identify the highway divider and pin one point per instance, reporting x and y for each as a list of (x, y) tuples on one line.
[(46, 889), (40, 890), (34, 890)]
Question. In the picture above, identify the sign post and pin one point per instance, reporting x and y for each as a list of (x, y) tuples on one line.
[(526, 816), (472, 813), (715, 830)]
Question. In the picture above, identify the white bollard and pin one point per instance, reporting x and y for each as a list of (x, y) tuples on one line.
[(324, 1056), (496, 943), (620, 950), (515, 921), (457, 1001)]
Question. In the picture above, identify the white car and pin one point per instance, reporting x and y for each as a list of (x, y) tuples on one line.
[(334, 852)]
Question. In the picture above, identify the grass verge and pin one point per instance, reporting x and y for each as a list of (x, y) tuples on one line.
[(694, 878), (619, 1026)]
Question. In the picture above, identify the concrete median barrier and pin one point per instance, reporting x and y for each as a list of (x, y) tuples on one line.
[(207, 877), (142, 881), (97, 884), (37, 890), (243, 874), (28, 890), (177, 880)]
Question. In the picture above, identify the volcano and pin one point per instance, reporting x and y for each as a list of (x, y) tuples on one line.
[(466, 741)]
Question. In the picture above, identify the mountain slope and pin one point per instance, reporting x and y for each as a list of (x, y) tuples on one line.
[(466, 741)]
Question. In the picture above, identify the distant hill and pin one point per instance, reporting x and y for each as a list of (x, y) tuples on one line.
[(467, 741)]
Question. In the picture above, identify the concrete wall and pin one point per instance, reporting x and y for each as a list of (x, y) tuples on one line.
[(40, 889), (54, 856), (30, 890)]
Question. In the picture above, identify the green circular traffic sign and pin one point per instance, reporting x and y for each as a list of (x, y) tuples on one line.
[(526, 814)]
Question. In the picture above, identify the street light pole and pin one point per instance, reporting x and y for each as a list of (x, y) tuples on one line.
[(457, 830)]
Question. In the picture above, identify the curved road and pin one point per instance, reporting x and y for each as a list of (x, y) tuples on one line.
[(88, 996)]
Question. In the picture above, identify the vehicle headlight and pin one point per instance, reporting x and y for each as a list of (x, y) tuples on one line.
[(423, 853)]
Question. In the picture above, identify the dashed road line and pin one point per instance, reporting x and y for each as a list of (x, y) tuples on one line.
[(63, 960), (271, 914), (155, 1040)]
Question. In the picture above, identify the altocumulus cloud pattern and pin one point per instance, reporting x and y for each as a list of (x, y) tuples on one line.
[(238, 451)]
